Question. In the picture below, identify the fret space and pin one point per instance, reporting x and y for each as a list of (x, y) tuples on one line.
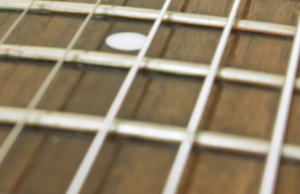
[(46, 155)]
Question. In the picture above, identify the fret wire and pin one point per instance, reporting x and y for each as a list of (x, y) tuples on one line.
[(11, 138), (74, 122), (112, 60), (14, 25), (186, 145), (281, 118), (151, 14), (98, 141), (273, 159)]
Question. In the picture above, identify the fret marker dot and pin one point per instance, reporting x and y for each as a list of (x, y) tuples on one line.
[(126, 41)]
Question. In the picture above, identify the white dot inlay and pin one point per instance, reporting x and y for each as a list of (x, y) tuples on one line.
[(126, 41)]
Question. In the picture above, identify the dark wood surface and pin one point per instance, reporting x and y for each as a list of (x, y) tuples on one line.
[(45, 160)]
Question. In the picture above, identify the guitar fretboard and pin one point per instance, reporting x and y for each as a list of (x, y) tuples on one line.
[(209, 74)]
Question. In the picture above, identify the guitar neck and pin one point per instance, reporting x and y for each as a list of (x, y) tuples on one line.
[(230, 146)]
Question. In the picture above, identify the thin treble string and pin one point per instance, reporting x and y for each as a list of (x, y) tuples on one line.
[(37, 97), (97, 143), (12, 27), (186, 145), (273, 160)]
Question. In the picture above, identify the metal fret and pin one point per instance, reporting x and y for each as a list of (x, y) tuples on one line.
[(186, 145), (151, 64), (273, 160), (173, 134), (151, 14), (9, 141), (98, 141), (150, 131)]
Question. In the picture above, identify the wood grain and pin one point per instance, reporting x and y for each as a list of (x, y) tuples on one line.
[(45, 160)]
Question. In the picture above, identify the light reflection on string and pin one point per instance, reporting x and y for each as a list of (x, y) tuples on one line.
[(186, 145), (11, 138)]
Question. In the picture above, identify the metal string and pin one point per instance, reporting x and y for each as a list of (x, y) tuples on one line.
[(273, 159), (97, 143), (9, 141), (185, 147), (12, 27), (3, 39)]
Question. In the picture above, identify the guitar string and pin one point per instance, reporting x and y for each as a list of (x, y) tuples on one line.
[(6, 35), (97, 143), (273, 160), (186, 145), (270, 173), (14, 25), (9, 141)]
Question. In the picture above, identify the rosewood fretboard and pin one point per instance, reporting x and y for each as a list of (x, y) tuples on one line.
[(231, 144)]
